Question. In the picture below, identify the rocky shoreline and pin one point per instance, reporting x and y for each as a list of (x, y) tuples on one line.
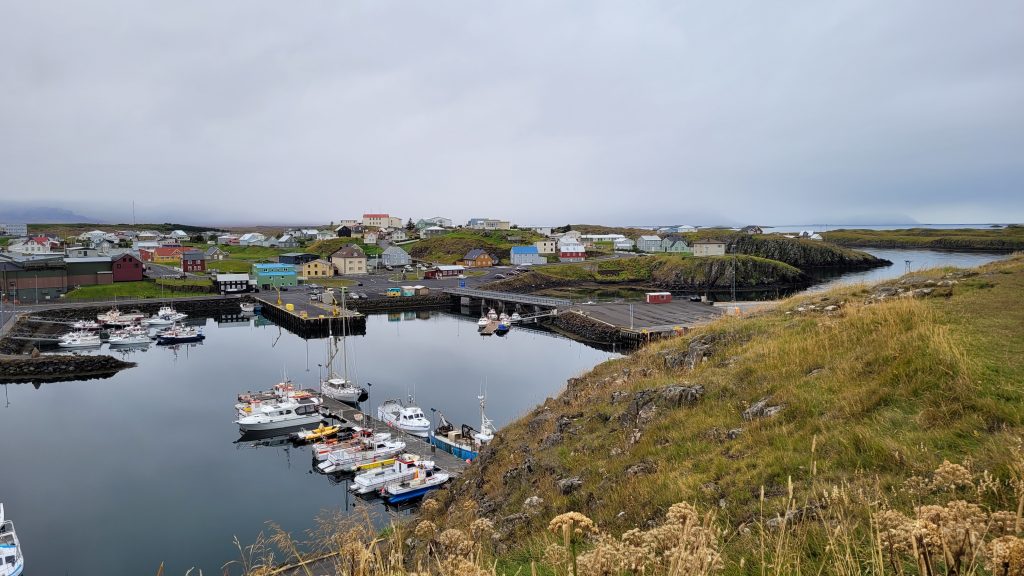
[(53, 368)]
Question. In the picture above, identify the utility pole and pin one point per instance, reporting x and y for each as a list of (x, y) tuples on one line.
[(734, 275)]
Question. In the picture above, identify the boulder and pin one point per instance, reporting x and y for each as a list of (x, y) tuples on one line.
[(761, 409), (569, 485)]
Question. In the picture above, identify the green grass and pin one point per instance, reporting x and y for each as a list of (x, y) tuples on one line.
[(327, 247), (883, 391), (231, 266), (451, 247), (1009, 238), (142, 289), (189, 282)]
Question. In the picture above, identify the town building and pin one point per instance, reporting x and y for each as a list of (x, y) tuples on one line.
[(488, 224), (675, 244), (318, 268), (381, 221), (624, 244), (162, 255), (399, 235), (38, 245), (477, 258), (268, 275), (252, 239), (226, 239), (33, 279), (395, 256), (370, 238), (444, 271), (708, 247), (127, 268), (193, 261), (526, 255), (232, 283), (571, 252), (179, 235), (14, 230), (349, 260), (545, 230), (432, 232), (752, 230), (547, 246), (216, 253), (285, 241), (649, 243), (349, 231), (296, 258), (88, 271)]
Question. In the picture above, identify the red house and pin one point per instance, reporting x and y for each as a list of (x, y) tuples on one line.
[(127, 268), (193, 261)]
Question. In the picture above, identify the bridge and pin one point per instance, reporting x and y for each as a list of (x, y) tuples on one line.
[(542, 301)]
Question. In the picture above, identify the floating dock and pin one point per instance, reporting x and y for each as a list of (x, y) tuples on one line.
[(296, 313), (352, 416)]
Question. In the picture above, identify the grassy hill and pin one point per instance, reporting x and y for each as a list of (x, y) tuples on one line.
[(327, 247), (1009, 238), (801, 430), (453, 246), (664, 271), (74, 229)]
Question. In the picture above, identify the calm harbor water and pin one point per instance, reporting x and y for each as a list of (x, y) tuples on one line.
[(919, 260), (114, 476)]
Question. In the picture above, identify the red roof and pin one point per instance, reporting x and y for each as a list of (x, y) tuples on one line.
[(42, 240), (375, 216), (168, 250)]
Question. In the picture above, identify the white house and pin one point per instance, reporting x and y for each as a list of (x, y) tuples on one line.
[(649, 243), (399, 235), (526, 255), (548, 246), (252, 239), (178, 235), (395, 256), (370, 238), (624, 244), (708, 247)]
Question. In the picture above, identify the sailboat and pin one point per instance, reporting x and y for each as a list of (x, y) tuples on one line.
[(341, 389)]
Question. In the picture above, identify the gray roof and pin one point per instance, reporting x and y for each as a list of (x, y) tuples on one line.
[(474, 254), (349, 251), (193, 255)]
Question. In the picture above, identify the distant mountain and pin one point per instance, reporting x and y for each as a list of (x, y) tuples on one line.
[(42, 215)]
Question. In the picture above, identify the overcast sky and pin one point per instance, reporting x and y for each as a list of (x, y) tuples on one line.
[(544, 112)]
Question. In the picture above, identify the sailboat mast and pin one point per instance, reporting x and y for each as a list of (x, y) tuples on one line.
[(344, 321)]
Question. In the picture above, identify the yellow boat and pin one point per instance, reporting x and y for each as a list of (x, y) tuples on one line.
[(318, 433)]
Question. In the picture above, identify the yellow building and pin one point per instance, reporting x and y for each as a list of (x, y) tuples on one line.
[(318, 268)]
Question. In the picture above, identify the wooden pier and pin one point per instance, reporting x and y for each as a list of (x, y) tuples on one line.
[(351, 416), (310, 319)]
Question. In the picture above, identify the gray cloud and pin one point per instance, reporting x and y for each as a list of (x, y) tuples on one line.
[(545, 112)]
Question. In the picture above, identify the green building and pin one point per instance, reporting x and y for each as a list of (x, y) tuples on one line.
[(274, 275)]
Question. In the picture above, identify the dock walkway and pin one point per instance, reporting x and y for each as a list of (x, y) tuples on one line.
[(415, 445), (651, 318)]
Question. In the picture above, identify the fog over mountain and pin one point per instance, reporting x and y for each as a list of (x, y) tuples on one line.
[(542, 112)]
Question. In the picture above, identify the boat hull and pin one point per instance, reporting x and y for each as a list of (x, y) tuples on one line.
[(165, 340), (279, 424), (411, 494), (456, 450)]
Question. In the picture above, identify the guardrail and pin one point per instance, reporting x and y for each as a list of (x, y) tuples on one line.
[(509, 297)]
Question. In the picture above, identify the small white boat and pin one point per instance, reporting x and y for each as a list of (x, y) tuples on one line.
[(126, 338), (414, 488), (12, 563), (115, 317), (515, 317), (503, 318), (321, 450), (247, 307), (404, 468), (492, 315), (279, 392), (80, 340), (86, 325), (367, 453), (409, 417), (482, 322), (180, 334), (282, 414)]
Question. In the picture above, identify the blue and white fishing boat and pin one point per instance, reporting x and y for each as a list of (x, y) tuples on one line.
[(464, 444), (179, 334), (11, 561), (405, 467), (415, 487)]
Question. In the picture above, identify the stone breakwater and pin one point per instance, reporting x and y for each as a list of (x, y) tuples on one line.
[(56, 368), (428, 301), (587, 329)]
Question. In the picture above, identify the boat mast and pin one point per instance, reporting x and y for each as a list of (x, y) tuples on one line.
[(344, 349)]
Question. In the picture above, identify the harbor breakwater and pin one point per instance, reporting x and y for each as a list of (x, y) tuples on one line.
[(48, 368)]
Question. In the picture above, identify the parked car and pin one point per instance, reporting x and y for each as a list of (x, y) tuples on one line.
[(499, 276)]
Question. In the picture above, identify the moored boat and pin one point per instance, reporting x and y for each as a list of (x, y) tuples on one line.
[(115, 317), (367, 452), (482, 322), (86, 325), (319, 433), (179, 334), (80, 340), (408, 418), (12, 563), (515, 317), (415, 487), (247, 307), (285, 413), (405, 467), (126, 338), (466, 443)]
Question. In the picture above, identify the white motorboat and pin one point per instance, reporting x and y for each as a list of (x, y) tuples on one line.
[(86, 325), (321, 450), (12, 563), (515, 317), (180, 334), (115, 317), (286, 413), (279, 392), (466, 443), (503, 318), (367, 453), (126, 338), (404, 417), (248, 307), (80, 340), (415, 487), (492, 315), (482, 322), (170, 312), (405, 467)]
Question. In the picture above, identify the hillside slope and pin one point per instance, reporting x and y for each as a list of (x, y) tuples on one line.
[(858, 394), (454, 245), (1008, 238)]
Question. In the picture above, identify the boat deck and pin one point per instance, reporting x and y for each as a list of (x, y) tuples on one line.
[(414, 444)]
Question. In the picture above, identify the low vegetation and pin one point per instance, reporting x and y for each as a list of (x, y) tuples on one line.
[(1008, 238), (74, 229), (129, 290), (451, 247), (327, 247)]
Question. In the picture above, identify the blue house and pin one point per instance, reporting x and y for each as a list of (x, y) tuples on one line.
[(271, 275), (526, 255)]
